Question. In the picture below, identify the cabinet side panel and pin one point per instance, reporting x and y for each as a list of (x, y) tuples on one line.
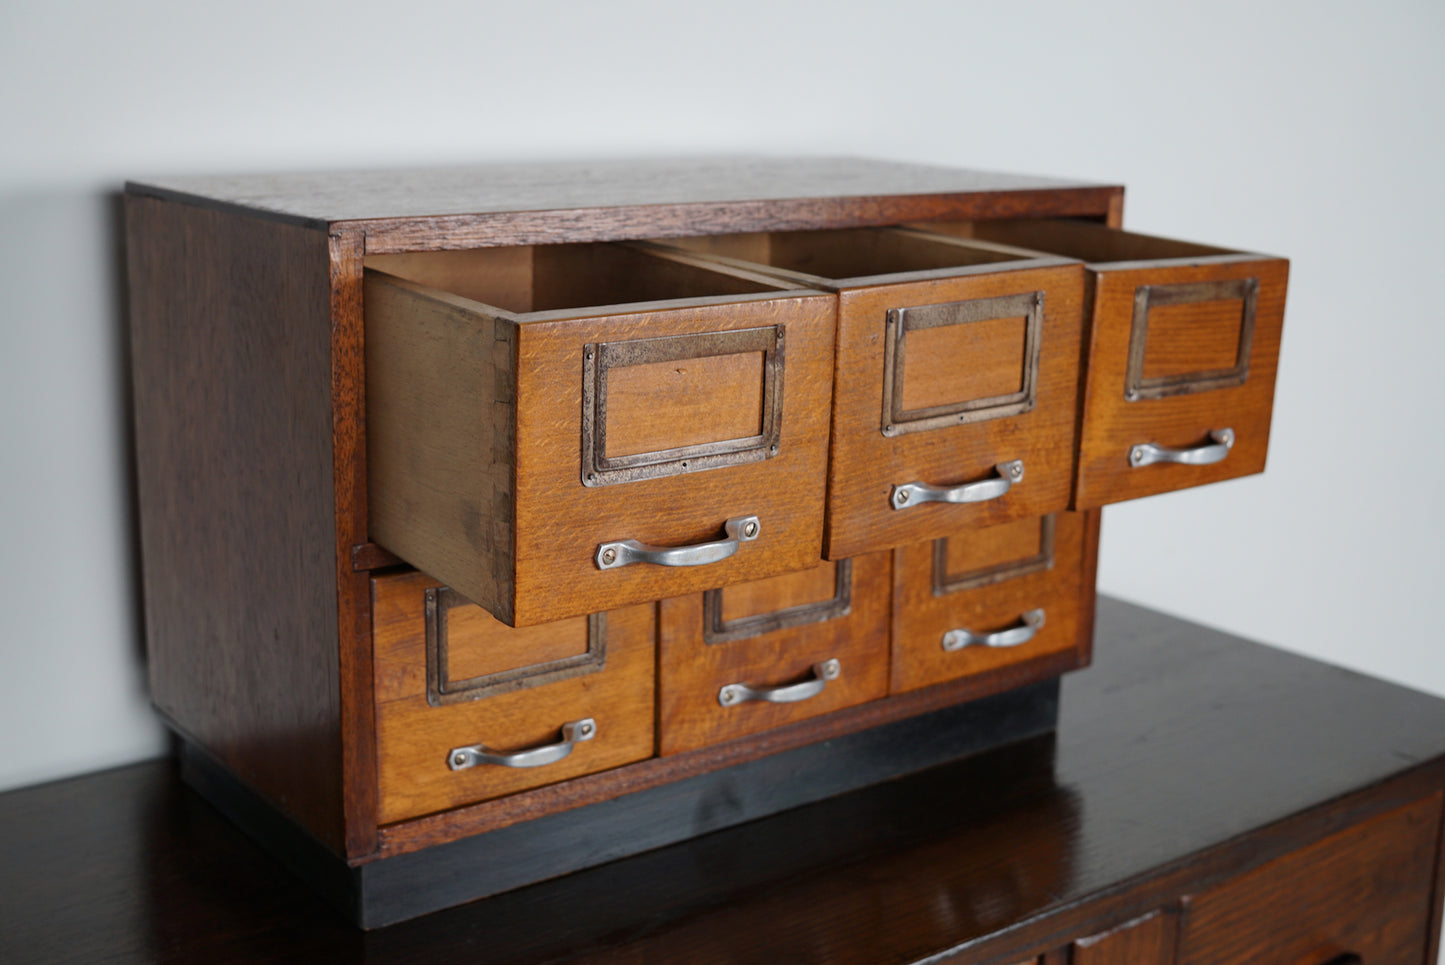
[(230, 327)]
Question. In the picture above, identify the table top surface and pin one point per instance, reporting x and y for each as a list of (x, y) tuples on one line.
[(334, 196), (1177, 740)]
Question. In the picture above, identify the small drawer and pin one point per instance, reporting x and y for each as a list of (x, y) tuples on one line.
[(459, 696), (956, 385), (1184, 345), (748, 657), (548, 460), (1361, 895), (981, 599)]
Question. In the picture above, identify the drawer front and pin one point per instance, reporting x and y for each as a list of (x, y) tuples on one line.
[(1181, 375), (1364, 892), (950, 382), (689, 418), (757, 655), (528, 458), (1183, 347), (448, 677), (982, 599)]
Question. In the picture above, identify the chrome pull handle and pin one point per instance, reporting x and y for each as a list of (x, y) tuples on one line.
[(1006, 475), (1028, 625), (1147, 453), (740, 530), (734, 694), (573, 733)]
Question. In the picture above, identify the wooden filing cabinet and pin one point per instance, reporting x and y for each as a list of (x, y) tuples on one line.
[(474, 499)]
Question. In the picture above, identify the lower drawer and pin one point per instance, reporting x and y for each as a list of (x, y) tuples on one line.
[(1362, 895), (983, 599), (757, 655), (468, 708)]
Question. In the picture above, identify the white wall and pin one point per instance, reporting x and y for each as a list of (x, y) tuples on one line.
[(1305, 129)]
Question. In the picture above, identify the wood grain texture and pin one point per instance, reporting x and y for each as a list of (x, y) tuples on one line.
[(1238, 755), (668, 405), (955, 363), (1190, 338), (691, 670), (560, 523), (413, 737), (1363, 891), (921, 616), (1144, 941), (549, 202), (353, 590), (1119, 264), (866, 464), (231, 342)]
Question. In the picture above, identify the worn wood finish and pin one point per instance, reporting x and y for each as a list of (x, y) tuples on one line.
[(413, 736), (1180, 339), (550, 202), (1364, 891), (692, 671), (1144, 941), (924, 609), (233, 392), (1237, 756)]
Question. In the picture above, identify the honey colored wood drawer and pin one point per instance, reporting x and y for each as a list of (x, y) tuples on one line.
[(999, 596), (449, 676), (1363, 892), (956, 386), (518, 452), (1184, 346), (757, 655)]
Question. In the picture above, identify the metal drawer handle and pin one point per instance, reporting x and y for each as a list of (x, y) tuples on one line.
[(1028, 625), (573, 733), (740, 529), (823, 672), (911, 494), (1146, 454)]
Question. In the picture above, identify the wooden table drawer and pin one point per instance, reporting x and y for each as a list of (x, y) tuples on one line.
[(450, 676), (1184, 345), (1365, 891), (511, 448), (956, 362), (981, 599), (813, 641)]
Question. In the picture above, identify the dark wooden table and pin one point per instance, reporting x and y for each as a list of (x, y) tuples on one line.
[(1183, 757)]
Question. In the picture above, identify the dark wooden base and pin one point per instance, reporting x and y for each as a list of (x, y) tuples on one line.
[(394, 889)]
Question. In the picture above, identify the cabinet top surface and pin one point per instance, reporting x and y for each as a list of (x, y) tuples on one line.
[(325, 197)]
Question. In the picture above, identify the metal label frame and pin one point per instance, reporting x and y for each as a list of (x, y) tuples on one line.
[(598, 358), (900, 321), (1146, 297), (717, 630), (945, 582), (442, 689)]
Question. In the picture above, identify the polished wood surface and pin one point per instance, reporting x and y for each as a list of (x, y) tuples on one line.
[(692, 670), (414, 736), (1144, 941), (1365, 891), (549, 202), (237, 510), (1185, 759)]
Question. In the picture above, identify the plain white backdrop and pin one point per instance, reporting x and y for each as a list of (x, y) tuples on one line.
[(1312, 130)]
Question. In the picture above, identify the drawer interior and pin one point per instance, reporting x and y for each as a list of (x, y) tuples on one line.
[(822, 256), (1085, 240), (547, 278)]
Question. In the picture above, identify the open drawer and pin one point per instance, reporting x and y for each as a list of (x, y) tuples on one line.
[(984, 599), (546, 457), (956, 384), (1184, 345)]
